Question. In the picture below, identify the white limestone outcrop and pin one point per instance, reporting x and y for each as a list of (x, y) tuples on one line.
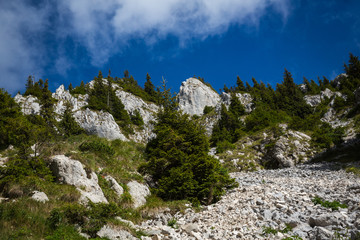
[(195, 95), (28, 104), (72, 172), (147, 111), (138, 193), (99, 123)]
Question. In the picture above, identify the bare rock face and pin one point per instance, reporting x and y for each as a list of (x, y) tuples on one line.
[(147, 111), (99, 123), (195, 95), (244, 98), (339, 79), (63, 96), (72, 172), (314, 100), (138, 192), (291, 149), (28, 104)]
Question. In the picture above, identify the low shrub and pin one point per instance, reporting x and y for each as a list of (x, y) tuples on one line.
[(98, 147), (334, 205)]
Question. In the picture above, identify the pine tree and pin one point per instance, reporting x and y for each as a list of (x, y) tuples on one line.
[(177, 158), (68, 123), (70, 88), (149, 86), (47, 105), (240, 85), (126, 74)]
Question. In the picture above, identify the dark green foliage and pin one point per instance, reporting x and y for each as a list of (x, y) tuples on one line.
[(149, 87), (240, 85), (334, 205), (47, 105), (290, 99), (68, 123), (9, 115), (91, 219), (353, 68), (103, 97), (98, 147), (17, 169), (70, 87), (79, 89), (208, 109), (137, 119), (229, 128), (177, 158), (263, 117), (325, 136)]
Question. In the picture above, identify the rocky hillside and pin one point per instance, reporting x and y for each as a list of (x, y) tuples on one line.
[(101, 156)]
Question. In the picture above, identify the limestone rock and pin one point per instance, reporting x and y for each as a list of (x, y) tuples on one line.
[(40, 196), (339, 79), (244, 98), (290, 149), (312, 100), (147, 111), (28, 104), (99, 123), (72, 172), (114, 185), (114, 233), (138, 193), (63, 96), (195, 95)]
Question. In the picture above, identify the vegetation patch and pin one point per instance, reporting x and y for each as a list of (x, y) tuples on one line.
[(334, 205)]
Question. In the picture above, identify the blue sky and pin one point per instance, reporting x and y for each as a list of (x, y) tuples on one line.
[(71, 40)]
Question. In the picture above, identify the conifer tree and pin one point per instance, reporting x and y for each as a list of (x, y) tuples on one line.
[(177, 158), (240, 85), (70, 88), (149, 86), (68, 123)]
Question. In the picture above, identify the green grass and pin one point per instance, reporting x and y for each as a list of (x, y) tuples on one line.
[(354, 170), (334, 205), (270, 230)]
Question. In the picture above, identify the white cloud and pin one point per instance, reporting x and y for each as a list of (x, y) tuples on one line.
[(104, 28), (20, 52)]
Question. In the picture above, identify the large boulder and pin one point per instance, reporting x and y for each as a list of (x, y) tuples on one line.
[(72, 172), (28, 104), (138, 193), (100, 123), (39, 196), (195, 95)]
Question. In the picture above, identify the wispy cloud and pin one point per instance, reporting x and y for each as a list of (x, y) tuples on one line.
[(104, 28)]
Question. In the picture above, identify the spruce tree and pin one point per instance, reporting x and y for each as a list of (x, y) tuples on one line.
[(149, 86), (177, 158), (68, 123), (240, 85)]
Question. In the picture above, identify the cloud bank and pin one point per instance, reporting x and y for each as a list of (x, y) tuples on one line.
[(104, 28)]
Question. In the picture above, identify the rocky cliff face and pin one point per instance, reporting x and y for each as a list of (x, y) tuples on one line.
[(195, 95), (28, 104), (147, 111)]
